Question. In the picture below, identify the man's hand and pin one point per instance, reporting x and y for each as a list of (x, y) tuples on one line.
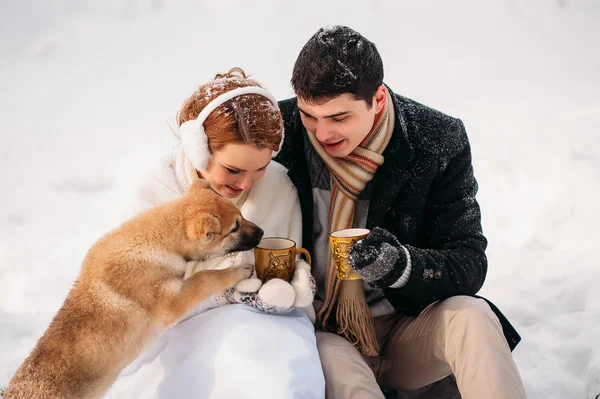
[(380, 259)]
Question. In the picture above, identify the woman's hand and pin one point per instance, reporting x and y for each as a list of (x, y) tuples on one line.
[(275, 295), (304, 285)]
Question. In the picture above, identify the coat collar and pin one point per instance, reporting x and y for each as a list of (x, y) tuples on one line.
[(392, 175)]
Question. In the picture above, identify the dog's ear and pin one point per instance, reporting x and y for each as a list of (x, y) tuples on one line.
[(199, 185), (203, 226)]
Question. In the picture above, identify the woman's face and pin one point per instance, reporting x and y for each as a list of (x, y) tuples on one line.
[(234, 167)]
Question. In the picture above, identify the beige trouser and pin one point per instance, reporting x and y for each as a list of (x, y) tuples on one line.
[(460, 335)]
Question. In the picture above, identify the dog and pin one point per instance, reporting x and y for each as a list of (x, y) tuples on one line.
[(131, 288)]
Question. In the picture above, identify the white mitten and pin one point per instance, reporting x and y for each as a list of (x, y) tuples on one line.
[(240, 293), (304, 285), (274, 296), (277, 295), (248, 285)]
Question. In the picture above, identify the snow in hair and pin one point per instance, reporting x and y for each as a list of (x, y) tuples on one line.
[(193, 137)]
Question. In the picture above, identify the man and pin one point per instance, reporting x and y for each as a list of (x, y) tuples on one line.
[(362, 156)]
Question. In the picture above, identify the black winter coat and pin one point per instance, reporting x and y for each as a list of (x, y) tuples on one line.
[(424, 193)]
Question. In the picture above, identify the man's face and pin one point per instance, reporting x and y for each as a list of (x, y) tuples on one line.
[(342, 122)]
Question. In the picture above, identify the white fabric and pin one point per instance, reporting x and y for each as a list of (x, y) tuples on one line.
[(194, 142), (232, 351)]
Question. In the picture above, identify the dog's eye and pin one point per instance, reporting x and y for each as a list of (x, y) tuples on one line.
[(237, 226)]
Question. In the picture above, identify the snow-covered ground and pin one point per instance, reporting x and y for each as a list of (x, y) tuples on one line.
[(87, 88)]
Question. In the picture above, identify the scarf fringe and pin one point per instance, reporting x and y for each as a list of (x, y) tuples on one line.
[(354, 319)]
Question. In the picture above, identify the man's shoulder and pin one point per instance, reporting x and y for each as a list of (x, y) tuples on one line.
[(292, 130), (288, 104), (289, 111), (428, 128), (421, 114)]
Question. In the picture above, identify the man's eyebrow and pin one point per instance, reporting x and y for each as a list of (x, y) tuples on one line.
[(327, 116), (242, 170)]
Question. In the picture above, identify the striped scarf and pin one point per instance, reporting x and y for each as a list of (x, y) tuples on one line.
[(350, 176)]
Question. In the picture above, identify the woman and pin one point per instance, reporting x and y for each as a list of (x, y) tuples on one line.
[(228, 131)]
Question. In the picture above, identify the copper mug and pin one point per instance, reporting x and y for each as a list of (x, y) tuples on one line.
[(275, 257), (341, 242)]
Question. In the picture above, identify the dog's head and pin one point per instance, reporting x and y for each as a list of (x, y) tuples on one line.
[(214, 226)]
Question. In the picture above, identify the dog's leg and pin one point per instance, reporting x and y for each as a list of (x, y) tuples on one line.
[(201, 286)]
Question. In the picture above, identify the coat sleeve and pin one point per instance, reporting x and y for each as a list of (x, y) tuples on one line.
[(452, 261)]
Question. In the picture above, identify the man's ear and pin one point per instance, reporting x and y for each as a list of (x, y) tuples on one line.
[(203, 226), (380, 98)]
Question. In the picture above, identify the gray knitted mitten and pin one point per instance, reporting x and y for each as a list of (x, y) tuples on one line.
[(379, 258)]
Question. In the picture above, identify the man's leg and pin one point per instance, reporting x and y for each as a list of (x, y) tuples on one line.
[(347, 374), (459, 335)]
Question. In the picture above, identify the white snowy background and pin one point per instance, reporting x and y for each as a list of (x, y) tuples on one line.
[(87, 88)]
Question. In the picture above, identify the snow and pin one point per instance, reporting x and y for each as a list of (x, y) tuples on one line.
[(87, 88)]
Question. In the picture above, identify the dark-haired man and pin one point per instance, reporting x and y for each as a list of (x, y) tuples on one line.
[(363, 156)]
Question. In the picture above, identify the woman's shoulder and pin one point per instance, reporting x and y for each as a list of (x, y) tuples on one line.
[(161, 175), (277, 170), (273, 193), (275, 180), (155, 185)]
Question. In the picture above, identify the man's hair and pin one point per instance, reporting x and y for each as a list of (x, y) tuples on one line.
[(336, 61)]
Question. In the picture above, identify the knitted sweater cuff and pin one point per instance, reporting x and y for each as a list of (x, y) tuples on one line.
[(399, 274), (401, 282)]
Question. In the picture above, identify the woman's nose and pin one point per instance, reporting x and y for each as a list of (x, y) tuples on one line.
[(245, 183)]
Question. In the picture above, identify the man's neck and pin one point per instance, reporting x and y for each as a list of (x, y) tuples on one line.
[(375, 123)]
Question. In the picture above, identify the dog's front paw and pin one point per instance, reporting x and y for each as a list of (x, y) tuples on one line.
[(243, 271)]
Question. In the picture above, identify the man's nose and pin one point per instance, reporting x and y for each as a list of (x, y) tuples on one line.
[(322, 132)]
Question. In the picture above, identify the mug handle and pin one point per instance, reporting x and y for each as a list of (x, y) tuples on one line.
[(305, 253)]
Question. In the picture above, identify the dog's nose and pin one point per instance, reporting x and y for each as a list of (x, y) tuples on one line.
[(249, 238), (258, 234)]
